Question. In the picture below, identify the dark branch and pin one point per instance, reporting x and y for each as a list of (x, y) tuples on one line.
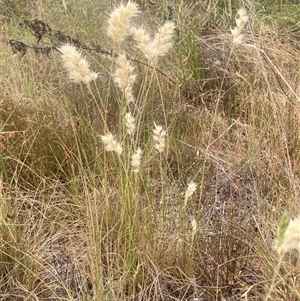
[(39, 29)]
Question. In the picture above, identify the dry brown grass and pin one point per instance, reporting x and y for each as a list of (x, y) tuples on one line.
[(74, 226)]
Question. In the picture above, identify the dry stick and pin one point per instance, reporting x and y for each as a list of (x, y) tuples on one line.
[(18, 46)]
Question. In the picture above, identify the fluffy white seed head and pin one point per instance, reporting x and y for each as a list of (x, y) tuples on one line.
[(130, 123), (111, 144), (192, 186), (235, 31), (124, 75), (120, 19), (194, 225), (288, 235), (237, 39), (240, 24), (129, 95), (144, 43), (157, 47), (159, 137), (76, 65), (136, 160), (163, 39), (243, 17), (142, 37)]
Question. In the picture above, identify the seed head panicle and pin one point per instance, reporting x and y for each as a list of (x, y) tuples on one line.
[(240, 24), (159, 137), (288, 235), (194, 225), (130, 123), (77, 65), (144, 43), (163, 39), (136, 160), (242, 19), (124, 75), (157, 47), (142, 37), (129, 96), (111, 144), (119, 21), (192, 186)]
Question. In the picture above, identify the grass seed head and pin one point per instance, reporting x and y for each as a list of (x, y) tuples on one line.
[(111, 144), (136, 160), (119, 21), (240, 24), (192, 186), (142, 37), (143, 40), (129, 96), (159, 137), (242, 19), (124, 75), (194, 225), (130, 123), (288, 235), (163, 39), (159, 46), (76, 65)]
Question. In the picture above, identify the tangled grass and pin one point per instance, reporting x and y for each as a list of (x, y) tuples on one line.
[(149, 162)]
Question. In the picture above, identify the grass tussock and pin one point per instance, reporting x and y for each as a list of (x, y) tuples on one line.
[(151, 154)]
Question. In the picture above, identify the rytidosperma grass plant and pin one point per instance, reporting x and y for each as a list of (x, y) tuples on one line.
[(135, 144), (116, 223)]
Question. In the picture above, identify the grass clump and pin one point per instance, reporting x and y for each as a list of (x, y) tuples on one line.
[(154, 165)]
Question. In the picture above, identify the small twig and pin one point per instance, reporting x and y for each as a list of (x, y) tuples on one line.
[(21, 47)]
